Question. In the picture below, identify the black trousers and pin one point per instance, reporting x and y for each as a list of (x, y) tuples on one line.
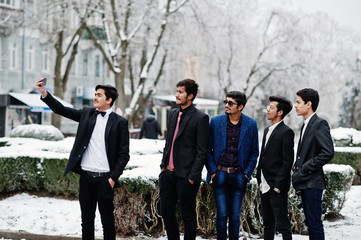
[(275, 214), (93, 191), (174, 189)]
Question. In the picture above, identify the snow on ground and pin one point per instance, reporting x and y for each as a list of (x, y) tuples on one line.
[(50, 216)]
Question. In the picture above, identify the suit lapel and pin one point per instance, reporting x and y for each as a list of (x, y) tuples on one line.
[(244, 126), (110, 122), (91, 123), (272, 134), (184, 121), (224, 130), (304, 138), (264, 140), (173, 123)]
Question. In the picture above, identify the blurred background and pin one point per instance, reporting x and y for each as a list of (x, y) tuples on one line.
[(144, 47)]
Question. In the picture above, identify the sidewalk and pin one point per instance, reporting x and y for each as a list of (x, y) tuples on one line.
[(23, 235)]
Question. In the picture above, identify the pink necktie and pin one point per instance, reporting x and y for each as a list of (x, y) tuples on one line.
[(171, 165)]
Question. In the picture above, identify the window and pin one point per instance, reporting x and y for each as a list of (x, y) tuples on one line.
[(97, 65), (85, 64), (8, 3), (30, 58), (45, 60), (13, 57), (98, 19)]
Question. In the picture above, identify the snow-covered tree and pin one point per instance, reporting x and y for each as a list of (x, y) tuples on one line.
[(129, 18)]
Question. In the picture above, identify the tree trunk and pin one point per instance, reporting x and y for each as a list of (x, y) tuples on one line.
[(55, 118)]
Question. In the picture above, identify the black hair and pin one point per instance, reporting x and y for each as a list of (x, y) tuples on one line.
[(239, 97), (110, 92), (283, 104), (190, 85), (309, 95)]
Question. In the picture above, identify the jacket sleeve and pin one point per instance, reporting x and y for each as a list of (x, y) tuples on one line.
[(325, 144), (287, 159), (201, 147), (210, 163), (60, 109), (252, 162)]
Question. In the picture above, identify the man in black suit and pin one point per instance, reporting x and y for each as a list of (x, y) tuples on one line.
[(274, 167), (99, 154), (184, 156), (315, 149)]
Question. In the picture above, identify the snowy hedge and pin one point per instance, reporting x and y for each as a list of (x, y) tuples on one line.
[(349, 156), (35, 165), (137, 201), (346, 137), (35, 174)]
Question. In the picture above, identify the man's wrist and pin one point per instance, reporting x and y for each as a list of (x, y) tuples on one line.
[(44, 94)]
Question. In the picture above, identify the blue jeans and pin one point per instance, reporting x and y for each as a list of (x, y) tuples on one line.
[(229, 190), (312, 207)]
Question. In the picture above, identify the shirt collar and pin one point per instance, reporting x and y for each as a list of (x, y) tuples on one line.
[(272, 127), (309, 118), (186, 109)]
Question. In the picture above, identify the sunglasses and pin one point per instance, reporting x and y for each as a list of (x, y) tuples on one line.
[(230, 103)]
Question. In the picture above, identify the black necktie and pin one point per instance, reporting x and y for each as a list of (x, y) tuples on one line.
[(97, 112)]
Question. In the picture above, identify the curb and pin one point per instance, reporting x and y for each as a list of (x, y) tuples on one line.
[(24, 235)]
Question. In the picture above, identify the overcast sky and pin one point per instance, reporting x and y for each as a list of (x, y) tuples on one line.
[(347, 12)]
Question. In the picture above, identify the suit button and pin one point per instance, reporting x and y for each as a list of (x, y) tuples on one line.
[(298, 157), (79, 156), (84, 147)]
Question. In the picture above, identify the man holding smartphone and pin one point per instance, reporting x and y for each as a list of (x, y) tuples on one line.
[(99, 154)]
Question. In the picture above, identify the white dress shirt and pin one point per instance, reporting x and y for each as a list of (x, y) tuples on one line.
[(264, 187), (95, 156)]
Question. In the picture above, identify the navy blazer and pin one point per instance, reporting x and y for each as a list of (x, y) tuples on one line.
[(116, 137), (315, 151), (276, 158), (247, 144), (190, 144)]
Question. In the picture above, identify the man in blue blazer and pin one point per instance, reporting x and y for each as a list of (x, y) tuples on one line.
[(315, 149), (232, 157), (274, 169), (99, 154)]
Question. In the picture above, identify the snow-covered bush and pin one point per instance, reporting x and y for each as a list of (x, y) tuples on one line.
[(339, 180), (346, 137), (349, 156), (42, 132), (20, 174)]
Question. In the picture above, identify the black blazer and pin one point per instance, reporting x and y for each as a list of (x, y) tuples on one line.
[(276, 158), (315, 151), (116, 137), (190, 145)]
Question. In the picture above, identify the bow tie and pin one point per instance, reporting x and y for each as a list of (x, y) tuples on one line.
[(97, 112)]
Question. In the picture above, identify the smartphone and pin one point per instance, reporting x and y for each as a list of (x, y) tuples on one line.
[(44, 82)]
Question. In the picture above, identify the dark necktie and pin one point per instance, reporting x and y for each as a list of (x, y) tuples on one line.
[(97, 112), (171, 164)]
